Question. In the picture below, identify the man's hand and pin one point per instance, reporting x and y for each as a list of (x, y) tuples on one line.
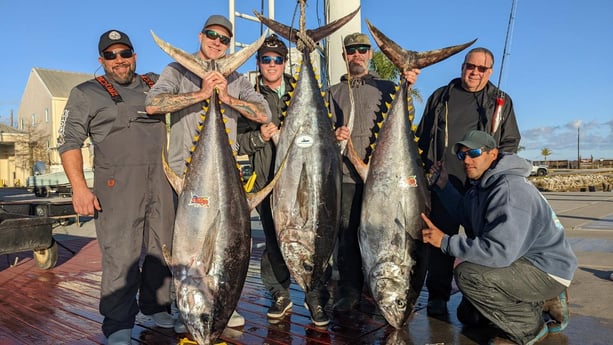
[(214, 80), (411, 75), (439, 175), (342, 133), (268, 130), (431, 234), (85, 203)]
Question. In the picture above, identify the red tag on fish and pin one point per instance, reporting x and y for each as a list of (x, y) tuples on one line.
[(199, 201)]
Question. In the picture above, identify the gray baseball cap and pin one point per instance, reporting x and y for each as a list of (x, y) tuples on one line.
[(475, 139)]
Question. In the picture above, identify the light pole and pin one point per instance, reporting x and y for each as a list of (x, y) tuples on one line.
[(577, 124)]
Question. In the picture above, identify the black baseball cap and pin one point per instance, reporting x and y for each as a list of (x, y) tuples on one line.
[(113, 37)]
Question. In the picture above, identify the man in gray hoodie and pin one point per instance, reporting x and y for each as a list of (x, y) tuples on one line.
[(516, 259)]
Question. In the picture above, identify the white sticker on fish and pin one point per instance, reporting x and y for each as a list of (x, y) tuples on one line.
[(304, 141)]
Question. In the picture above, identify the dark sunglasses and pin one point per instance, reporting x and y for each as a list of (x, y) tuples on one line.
[(471, 67), (213, 35), (126, 54), (472, 153), (361, 50), (266, 60)]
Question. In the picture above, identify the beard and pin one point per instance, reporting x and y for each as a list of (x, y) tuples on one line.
[(356, 68), (122, 78)]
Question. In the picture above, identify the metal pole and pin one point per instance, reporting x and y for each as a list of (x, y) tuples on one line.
[(578, 155)]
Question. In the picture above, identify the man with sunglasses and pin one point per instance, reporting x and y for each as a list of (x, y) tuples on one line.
[(466, 103), (254, 140), (371, 94), (517, 262), (132, 200), (183, 94)]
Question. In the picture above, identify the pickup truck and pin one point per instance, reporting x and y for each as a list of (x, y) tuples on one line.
[(538, 170)]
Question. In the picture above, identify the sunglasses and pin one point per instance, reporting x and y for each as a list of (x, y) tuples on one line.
[(126, 54), (361, 50), (471, 67), (472, 153), (266, 60), (213, 35)]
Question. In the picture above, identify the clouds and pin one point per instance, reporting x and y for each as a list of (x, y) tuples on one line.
[(595, 138)]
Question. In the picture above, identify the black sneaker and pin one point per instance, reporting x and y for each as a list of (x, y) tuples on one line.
[(280, 306), (469, 315), (318, 314), (437, 307)]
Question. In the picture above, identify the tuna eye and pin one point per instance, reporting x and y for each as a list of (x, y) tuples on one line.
[(401, 303)]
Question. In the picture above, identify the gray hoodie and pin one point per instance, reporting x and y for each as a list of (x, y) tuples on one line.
[(507, 218)]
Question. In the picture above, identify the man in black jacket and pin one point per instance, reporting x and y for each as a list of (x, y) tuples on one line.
[(466, 103), (254, 139)]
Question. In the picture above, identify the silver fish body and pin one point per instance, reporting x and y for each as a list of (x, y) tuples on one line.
[(306, 199), (395, 194), (212, 234)]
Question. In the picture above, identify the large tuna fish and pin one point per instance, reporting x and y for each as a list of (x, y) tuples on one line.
[(306, 201), (395, 194), (212, 231)]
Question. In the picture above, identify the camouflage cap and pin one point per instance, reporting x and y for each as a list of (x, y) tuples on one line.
[(356, 39)]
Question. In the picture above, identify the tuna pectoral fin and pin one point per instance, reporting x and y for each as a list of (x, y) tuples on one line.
[(358, 163), (254, 199), (175, 181), (167, 256)]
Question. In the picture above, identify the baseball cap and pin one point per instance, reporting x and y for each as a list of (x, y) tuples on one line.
[(475, 139), (113, 37), (273, 44), (356, 39), (218, 20)]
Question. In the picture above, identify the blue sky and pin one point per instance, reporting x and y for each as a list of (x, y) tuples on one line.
[(557, 70)]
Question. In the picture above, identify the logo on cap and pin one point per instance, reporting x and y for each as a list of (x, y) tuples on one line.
[(114, 35)]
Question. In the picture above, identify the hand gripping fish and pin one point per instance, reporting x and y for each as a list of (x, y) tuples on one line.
[(212, 231), (306, 200), (395, 194)]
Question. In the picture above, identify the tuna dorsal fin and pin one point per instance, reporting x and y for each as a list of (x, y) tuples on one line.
[(316, 35), (407, 59), (175, 181), (200, 67)]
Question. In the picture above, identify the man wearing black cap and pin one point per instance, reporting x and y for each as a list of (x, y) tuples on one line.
[(254, 139), (515, 256), (132, 213), (183, 94), (370, 93)]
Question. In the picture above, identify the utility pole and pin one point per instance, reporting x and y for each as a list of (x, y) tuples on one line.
[(578, 155)]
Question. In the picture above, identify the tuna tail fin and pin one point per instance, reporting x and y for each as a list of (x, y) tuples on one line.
[(407, 59), (254, 199), (175, 181), (316, 35), (200, 67)]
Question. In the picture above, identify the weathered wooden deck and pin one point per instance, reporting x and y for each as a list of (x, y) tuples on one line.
[(60, 306)]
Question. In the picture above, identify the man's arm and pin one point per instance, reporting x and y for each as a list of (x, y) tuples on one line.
[(169, 103), (83, 200)]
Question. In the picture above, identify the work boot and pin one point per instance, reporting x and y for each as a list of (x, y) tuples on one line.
[(469, 315), (437, 307), (542, 334), (279, 307), (236, 320), (349, 300), (121, 337), (163, 319), (557, 308)]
